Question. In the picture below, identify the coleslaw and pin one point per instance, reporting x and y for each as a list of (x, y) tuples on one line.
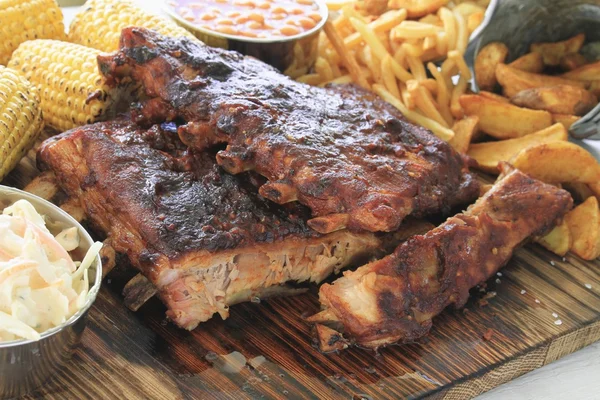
[(41, 286)]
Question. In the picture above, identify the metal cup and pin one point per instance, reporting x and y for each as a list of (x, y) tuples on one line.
[(27, 364), (519, 23)]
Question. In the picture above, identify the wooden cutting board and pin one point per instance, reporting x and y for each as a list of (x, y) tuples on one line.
[(540, 309)]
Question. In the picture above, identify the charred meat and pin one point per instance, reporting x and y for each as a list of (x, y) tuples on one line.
[(394, 299), (349, 156), (204, 238)]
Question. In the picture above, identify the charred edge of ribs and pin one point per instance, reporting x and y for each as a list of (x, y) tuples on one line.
[(349, 156), (394, 299), (204, 238)]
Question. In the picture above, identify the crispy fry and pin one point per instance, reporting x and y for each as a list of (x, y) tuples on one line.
[(417, 8), (347, 59), (485, 64), (449, 27), (378, 48), (560, 99), (530, 62), (463, 132), (557, 162), (425, 102), (572, 61), (323, 68), (553, 52), (416, 68), (413, 30), (384, 23), (558, 240), (439, 130), (458, 91), (387, 76), (584, 225), (489, 154), (459, 60), (595, 188), (443, 93), (462, 33), (408, 100), (588, 72), (513, 80), (494, 96), (336, 5)]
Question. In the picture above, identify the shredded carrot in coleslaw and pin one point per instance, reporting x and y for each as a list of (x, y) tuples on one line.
[(41, 286)]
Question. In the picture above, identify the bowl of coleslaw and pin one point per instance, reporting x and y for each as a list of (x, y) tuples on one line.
[(50, 274)]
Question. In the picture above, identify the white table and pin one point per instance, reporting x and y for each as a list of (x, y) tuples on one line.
[(575, 377)]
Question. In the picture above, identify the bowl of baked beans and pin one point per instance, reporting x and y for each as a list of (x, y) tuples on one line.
[(282, 33)]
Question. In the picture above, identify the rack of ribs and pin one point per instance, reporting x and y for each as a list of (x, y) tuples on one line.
[(346, 154), (204, 238), (394, 299)]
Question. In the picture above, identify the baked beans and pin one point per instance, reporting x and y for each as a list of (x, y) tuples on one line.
[(251, 18)]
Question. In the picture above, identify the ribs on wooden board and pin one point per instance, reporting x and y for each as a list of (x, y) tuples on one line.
[(394, 299), (346, 154), (203, 237)]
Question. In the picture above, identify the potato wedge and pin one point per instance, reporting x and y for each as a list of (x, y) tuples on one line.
[(566, 120), (552, 53), (558, 240), (595, 87), (588, 72), (486, 61), (557, 162), (530, 62), (503, 120), (494, 96), (572, 61), (584, 225), (560, 99), (464, 130), (489, 154), (579, 191), (595, 188), (513, 80)]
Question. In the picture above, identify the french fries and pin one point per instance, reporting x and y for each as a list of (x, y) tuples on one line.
[(572, 61), (494, 96), (513, 80), (552, 53), (530, 62), (584, 225), (390, 44), (558, 240), (485, 64), (503, 120), (489, 154), (557, 162), (560, 99)]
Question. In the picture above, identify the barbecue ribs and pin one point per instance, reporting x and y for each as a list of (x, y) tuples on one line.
[(204, 238), (343, 152), (395, 298)]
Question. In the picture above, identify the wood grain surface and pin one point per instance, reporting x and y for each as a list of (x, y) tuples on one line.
[(265, 350)]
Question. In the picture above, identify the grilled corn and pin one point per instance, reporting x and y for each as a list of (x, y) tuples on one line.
[(22, 20), (72, 91), (20, 118), (100, 22)]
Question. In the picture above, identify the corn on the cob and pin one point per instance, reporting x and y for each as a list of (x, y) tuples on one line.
[(20, 118), (100, 22), (72, 90), (22, 20)]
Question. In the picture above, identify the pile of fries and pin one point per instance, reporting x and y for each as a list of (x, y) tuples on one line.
[(542, 93), (388, 47)]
